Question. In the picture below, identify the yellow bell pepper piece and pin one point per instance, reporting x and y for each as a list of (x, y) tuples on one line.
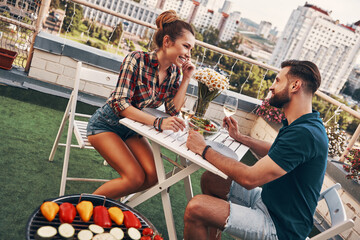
[(85, 210), (49, 210), (116, 215)]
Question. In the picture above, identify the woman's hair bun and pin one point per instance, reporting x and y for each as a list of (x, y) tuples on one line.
[(166, 17)]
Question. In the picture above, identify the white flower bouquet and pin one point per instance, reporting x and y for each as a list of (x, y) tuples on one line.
[(210, 85)]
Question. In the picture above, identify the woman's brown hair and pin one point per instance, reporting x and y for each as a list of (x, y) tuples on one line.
[(168, 23)]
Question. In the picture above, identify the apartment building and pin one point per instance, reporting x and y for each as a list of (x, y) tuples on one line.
[(146, 11), (264, 29), (311, 34), (127, 7)]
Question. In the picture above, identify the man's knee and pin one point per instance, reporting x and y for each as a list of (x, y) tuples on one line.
[(193, 208)]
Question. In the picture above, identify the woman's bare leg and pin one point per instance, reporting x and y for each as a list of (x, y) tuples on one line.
[(145, 157), (117, 153)]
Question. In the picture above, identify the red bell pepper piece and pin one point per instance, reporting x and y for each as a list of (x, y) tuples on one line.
[(130, 220), (67, 212), (101, 217)]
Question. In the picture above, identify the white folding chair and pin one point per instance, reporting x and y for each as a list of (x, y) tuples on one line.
[(78, 127), (339, 221)]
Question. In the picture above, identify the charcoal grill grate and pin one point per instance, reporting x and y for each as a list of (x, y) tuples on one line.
[(37, 220)]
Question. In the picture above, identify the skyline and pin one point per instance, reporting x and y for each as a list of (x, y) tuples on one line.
[(346, 11), (277, 12)]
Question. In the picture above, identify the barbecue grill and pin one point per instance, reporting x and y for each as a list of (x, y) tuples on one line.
[(37, 220)]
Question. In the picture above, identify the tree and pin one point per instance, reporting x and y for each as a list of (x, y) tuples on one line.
[(115, 38), (231, 44), (71, 18), (2, 23), (211, 35), (347, 89)]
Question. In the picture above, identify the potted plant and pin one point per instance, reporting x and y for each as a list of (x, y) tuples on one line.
[(270, 113), (6, 58), (352, 164)]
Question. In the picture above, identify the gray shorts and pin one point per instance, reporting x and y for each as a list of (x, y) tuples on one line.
[(105, 120), (249, 217)]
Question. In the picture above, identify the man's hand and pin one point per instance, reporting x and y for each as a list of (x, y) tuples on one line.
[(232, 126), (195, 142)]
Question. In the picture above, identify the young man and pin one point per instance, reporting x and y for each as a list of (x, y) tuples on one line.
[(291, 170)]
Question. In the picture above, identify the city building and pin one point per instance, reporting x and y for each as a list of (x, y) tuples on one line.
[(264, 29), (202, 16), (255, 46), (127, 7), (354, 78), (195, 12), (311, 34)]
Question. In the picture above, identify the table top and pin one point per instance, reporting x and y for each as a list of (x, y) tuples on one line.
[(176, 142)]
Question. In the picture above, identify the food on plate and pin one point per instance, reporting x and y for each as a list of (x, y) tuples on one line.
[(67, 212), (46, 232), (101, 217), (204, 126), (104, 236), (147, 232), (85, 235), (118, 233), (49, 210), (134, 233), (116, 215), (66, 231), (96, 228), (131, 221), (85, 210)]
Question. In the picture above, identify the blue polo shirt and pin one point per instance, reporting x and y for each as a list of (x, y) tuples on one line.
[(301, 149)]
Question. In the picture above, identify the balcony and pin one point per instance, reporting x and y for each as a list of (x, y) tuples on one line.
[(52, 68)]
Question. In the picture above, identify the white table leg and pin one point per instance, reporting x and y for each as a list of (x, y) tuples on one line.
[(187, 182), (165, 197)]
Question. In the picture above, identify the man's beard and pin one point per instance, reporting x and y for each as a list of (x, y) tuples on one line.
[(280, 99)]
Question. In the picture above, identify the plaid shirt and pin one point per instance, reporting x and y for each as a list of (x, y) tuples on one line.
[(138, 84)]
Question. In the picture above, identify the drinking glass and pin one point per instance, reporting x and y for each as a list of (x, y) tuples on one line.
[(230, 106), (186, 112)]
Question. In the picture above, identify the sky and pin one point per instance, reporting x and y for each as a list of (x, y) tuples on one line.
[(278, 11)]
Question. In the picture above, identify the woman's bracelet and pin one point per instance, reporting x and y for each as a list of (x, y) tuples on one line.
[(156, 124), (205, 150), (160, 123)]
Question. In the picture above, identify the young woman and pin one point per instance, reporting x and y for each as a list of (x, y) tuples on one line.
[(146, 79)]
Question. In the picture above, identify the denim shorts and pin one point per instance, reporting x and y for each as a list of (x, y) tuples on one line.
[(105, 120), (249, 217)]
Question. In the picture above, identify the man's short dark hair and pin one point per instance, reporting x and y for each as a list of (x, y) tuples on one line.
[(305, 70)]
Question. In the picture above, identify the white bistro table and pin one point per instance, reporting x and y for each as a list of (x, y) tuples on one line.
[(189, 163)]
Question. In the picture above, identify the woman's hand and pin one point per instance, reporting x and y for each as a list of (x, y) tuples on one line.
[(188, 69), (173, 123), (195, 142)]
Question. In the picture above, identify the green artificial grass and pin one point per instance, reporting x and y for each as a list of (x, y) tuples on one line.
[(29, 121)]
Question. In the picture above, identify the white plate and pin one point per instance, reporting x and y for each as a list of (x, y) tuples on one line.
[(221, 148)]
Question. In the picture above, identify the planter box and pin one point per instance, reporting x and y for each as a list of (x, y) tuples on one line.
[(6, 58)]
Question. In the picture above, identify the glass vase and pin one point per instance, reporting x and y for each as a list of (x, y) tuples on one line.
[(200, 107)]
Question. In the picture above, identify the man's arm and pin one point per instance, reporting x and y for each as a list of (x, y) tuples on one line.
[(259, 147), (264, 171)]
